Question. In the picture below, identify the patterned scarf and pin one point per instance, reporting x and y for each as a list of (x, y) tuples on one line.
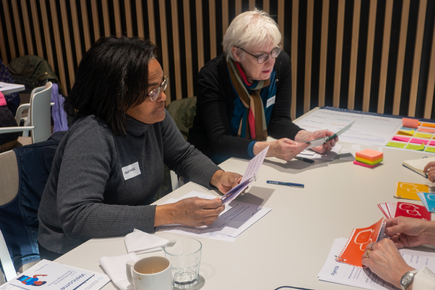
[(251, 99)]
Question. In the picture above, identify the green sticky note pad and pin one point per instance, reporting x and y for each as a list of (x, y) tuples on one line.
[(396, 144), (423, 135), (419, 147), (430, 149)]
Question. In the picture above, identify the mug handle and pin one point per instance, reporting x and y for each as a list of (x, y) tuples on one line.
[(129, 265)]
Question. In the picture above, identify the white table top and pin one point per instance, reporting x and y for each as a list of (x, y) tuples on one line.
[(290, 244), (7, 88)]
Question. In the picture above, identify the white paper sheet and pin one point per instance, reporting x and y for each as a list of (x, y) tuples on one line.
[(234, 220), (367, 129), (328, 156), (55, 276), (345, 274)]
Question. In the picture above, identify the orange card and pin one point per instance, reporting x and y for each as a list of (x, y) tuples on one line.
[(358, 241), (427, 130), (409, 190), (410, 123)]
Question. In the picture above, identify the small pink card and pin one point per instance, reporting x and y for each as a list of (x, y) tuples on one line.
[(419, 141), (400, 138), (410, 123)]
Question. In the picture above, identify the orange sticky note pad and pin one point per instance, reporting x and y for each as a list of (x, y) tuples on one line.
[(370, 154), (410, 123), (428, 125), (427, 130)]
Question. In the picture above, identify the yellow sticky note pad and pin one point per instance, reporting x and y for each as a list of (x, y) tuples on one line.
[(406, 132), (419, 147), (409, 190), (430, 149), (423, 135), (396, 144)]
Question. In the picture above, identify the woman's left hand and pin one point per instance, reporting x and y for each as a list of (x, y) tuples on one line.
[(385, 260), (306, 136), (224, 181)]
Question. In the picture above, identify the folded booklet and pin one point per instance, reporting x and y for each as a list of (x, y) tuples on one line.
[(395, 209), (357, 242), (249, 176), (417, 165)]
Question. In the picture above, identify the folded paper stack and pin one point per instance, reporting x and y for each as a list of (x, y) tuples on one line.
[(368, 158)]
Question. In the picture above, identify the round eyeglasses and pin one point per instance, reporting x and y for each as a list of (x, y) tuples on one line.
[(154, 94), (262, 58)]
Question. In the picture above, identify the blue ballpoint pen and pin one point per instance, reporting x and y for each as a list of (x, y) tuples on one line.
[(300, 185)]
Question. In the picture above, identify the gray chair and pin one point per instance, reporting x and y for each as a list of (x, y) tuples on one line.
[(38, 120)]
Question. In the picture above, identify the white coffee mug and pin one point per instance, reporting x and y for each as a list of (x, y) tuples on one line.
[(151, 273)]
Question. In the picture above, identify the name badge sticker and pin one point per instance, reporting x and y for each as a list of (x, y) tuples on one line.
[(131, 171), (270, 102)]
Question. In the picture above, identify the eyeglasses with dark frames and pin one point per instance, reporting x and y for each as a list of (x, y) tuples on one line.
[(263, 57), (154, 94)]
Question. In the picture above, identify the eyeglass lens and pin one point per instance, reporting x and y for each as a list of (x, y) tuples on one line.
[(274, 53), (156, 92)]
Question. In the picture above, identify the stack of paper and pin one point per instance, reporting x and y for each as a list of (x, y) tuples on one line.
[(395, 209), (237, 217), (368, 158)]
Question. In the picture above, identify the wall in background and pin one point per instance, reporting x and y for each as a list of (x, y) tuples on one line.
[(373, 55)]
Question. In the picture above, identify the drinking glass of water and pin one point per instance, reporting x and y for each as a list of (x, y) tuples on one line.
[(185, 257)]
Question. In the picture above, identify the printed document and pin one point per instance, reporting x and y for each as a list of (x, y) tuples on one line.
[(48, 275), (234, 220), (341, 273)]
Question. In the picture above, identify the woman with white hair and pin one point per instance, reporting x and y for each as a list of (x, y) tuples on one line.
[(244, 95)]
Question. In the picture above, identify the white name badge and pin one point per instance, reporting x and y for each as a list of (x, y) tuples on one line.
[(270, 102), (131, 170)]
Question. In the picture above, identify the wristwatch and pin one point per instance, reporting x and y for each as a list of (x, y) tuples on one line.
[(407, 279)]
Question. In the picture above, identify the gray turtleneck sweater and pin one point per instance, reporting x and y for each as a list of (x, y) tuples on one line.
[(100, 184)]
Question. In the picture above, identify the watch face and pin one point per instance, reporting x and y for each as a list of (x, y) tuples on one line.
[(407, 279)]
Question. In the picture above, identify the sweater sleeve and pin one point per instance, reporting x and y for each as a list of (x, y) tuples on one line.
[(184, 158), (281, 125)]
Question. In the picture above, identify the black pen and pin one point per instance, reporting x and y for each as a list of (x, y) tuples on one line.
[(305, 159)]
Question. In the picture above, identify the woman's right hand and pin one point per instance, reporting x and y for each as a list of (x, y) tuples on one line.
[(430, 170), (193, 211)]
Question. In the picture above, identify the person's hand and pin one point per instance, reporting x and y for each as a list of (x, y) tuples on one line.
[(306, 136), (430, 170), (192, 211), (285, 149), (410, 232), (224, 181), (385, 260)]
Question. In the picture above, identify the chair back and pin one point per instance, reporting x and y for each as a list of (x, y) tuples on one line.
[(40, 113)]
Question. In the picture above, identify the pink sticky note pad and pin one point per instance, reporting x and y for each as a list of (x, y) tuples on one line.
[(432, 143), (365, 165), (410, 123), (400, 138), (419, 141)]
